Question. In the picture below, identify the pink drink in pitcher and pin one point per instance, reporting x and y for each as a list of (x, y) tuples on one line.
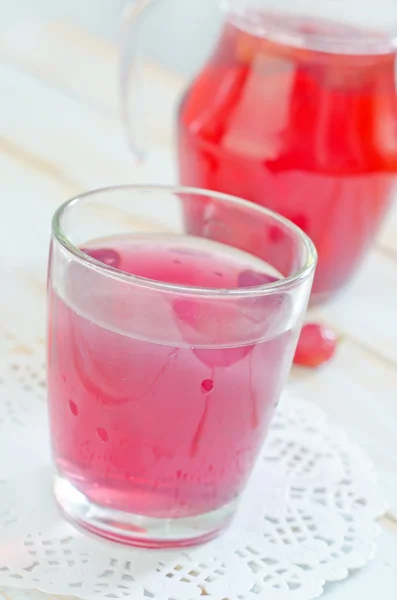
[(155, 429), (309, 133)]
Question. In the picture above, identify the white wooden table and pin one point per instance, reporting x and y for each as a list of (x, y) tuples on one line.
[(60, 134)]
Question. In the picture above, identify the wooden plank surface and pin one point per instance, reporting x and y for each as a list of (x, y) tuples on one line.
[(60, 134), (51, 52)]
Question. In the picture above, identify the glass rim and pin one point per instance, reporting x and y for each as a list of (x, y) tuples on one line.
[(281, 285), (371, 44)]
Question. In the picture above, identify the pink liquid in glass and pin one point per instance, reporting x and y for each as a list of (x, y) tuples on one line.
[(154, 429)]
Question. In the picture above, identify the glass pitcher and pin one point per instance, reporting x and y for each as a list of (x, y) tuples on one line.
[(296, 110)]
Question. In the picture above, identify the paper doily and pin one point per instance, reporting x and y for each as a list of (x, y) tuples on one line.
[(308, 516)]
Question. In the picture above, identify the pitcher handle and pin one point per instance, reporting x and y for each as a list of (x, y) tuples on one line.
[(131, 96)]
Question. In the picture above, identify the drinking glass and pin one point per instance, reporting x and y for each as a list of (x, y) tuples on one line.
[(168, 348)]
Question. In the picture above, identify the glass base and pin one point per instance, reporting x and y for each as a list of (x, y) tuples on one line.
[(138, 530)]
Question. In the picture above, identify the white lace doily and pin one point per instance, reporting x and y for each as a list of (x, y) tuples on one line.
[(308, 516)]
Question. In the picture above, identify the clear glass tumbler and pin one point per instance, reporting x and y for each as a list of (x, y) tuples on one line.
[(168, 348)]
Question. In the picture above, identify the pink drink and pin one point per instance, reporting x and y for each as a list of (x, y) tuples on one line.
[(309, 134), (154, 429)]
